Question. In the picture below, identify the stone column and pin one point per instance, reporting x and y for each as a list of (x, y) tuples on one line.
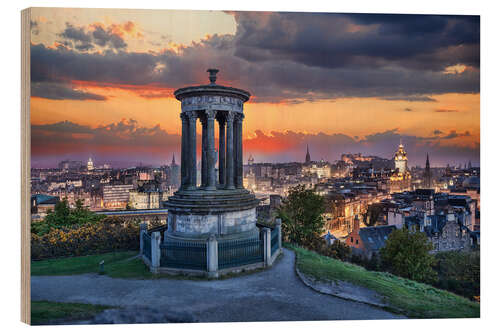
[(267, 245), (184, 151), (222, 150), (212, 257), (230, 151), (238, 151), (192, 150), (210, 150), (155, 251), (142, 229), (203, 151), (278, 225)]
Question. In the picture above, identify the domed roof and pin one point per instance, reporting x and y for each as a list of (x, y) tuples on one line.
[(212, 89), (400, 153)]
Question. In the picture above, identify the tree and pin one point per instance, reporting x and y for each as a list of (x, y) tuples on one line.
[(301, 215), (64, 216), (407, 254)]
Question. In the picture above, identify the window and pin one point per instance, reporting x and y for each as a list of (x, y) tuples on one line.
[(356, 241), (351, 240)]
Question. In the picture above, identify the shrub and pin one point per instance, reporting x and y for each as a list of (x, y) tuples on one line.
[(337, 250), (64, 217), (407, 254), (459, 272), (110, 234)]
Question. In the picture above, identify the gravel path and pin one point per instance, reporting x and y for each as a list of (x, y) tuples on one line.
[(275, 294)]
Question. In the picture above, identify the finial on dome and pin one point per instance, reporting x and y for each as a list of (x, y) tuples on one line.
[(213, 75)]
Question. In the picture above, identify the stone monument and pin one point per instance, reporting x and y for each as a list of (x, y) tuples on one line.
[(218, 207)]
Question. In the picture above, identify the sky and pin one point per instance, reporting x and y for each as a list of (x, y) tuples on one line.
[(102, 83)]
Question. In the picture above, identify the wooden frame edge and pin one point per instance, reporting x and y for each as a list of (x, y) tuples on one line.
[(25, 166)]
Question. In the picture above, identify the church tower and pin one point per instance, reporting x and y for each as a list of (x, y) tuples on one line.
[(173, 160), (90, 164), (308, 156), (427, 174), (400, 159)]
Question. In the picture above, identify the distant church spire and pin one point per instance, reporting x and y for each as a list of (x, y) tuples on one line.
[(308, 156), (427, 173), (173, 159)]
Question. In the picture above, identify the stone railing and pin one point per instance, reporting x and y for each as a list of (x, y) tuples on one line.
[(211, 257)]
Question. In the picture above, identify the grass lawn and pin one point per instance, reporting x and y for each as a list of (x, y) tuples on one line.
[(413, 299), (43, 312), (116, 264)]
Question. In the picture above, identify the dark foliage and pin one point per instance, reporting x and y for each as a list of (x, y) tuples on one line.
[(301, 214), (407, 254), (459, 272)]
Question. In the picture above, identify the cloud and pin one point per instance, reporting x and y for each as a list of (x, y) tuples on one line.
[(85, 38), (453, 134), (35, 29), (410, 98), (122, 135), (408, 110), (60, 91), (437, 132), (107, 37), (62, 127), (128, 142), (288, 57), (77, 34), (361, 40), (291, 146)]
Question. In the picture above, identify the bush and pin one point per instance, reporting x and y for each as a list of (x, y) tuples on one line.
[(337, 250), (110, 234), (65, 217), (407, 254), (459, 272)]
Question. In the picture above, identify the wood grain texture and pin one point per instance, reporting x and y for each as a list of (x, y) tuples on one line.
[(25, 165)]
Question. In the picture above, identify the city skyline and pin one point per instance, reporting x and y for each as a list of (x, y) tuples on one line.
[(361, 88)]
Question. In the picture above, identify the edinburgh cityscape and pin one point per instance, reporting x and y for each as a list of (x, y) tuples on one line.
[(354, 137)]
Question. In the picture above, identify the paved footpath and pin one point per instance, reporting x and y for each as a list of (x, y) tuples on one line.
[(275, 294)]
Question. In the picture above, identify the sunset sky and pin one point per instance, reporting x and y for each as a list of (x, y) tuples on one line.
[(103, 82)]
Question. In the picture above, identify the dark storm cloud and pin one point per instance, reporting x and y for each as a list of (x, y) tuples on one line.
[(58, 65), (293, 58), (85, 39), (334, 40), (107, 37), (77, 34), (60, 91)]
